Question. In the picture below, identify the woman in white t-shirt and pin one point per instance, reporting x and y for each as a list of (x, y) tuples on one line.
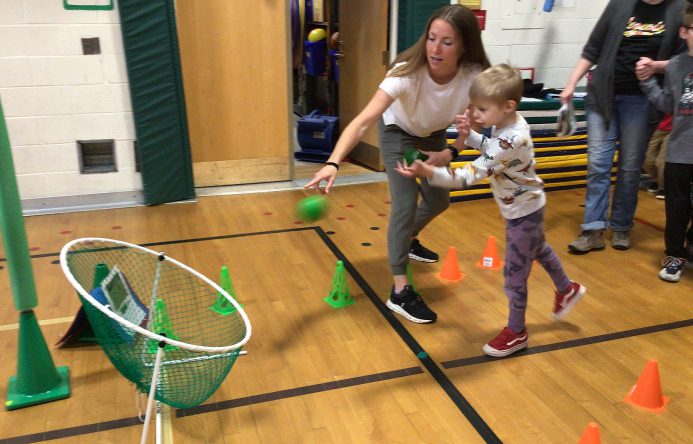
[(415, 103)]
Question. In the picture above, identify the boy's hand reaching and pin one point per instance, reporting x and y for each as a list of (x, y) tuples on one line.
[(463, 125), (644, 68), (416, 169)]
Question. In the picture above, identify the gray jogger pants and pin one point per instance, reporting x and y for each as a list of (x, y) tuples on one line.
[(408, 216)]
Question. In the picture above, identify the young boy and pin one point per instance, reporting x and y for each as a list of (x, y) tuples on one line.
[(507, 160), (677, 97)]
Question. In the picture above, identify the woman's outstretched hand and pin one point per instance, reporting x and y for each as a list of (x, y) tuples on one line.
[(327, 173)]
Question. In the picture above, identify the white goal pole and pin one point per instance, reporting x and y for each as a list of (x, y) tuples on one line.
[(158, 423), (152, 390)]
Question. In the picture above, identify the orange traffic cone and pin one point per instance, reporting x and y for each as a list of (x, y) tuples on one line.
[(490, 257), (647, 392), (451, 269), (591, 434)]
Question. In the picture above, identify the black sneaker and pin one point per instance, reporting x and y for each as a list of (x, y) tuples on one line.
[(420, 253), (672, 267), (409, 304), (652, 187)]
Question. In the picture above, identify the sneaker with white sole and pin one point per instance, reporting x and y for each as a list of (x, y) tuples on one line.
[(672, 267), (409, 304), (506, 343), (420, 253), (565, 302)]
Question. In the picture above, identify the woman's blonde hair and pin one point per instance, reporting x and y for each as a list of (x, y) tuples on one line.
[(464, 22), (498, 84)]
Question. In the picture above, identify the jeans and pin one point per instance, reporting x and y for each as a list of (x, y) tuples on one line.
[(630, 126)]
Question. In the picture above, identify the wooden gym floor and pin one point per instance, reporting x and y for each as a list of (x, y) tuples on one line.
[(361, 374)]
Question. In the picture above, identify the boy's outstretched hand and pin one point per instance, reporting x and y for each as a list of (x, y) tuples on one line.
[(416, 169)]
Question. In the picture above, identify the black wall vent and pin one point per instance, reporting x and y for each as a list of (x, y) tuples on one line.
[(96, 156), (91, 46), (138, 161)]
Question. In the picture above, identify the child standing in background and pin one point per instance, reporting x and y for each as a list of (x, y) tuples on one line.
[(677, 98), (654, 158), (507, 160)]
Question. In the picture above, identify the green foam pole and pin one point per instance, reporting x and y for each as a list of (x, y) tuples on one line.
[(13, 232), (37, 379)]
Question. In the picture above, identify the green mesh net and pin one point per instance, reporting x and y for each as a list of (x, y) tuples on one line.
[(163, 297)]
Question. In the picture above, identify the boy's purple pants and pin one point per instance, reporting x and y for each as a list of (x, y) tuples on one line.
[(524, 243)]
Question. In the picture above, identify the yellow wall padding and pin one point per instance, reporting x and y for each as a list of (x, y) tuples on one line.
[(562, 159), (559, 139)]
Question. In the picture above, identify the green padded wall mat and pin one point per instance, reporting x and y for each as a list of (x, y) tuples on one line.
[(413, 15), (156, 90)]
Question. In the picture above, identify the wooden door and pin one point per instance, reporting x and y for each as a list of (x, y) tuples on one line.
[(235, 61), (363, 31)]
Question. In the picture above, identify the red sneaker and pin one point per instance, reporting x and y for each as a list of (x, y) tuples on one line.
[(506, 343), (565, 302)]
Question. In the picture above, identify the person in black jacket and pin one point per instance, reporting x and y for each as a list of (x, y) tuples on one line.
[(617, 110)]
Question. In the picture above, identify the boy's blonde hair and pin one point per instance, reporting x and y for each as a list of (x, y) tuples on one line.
[(498, 84)]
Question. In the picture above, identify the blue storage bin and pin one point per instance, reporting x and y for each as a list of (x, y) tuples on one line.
[(318, 132), (309, 10), (314, 57)]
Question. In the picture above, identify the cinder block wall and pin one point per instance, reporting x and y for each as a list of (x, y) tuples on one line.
[(54, 95), (550, 42)]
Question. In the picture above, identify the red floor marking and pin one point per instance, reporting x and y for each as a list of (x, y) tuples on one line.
[(116, 227), (267, 214), (382, 214), (350, 205), (649, 224), (341, 218), (65, 232), (34, 248)]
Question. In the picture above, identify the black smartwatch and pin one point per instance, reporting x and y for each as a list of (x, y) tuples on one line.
[(454, 152), (336, 165)]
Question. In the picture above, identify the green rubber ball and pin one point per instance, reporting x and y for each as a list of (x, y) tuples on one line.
[(312, 208), (412, 154)]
